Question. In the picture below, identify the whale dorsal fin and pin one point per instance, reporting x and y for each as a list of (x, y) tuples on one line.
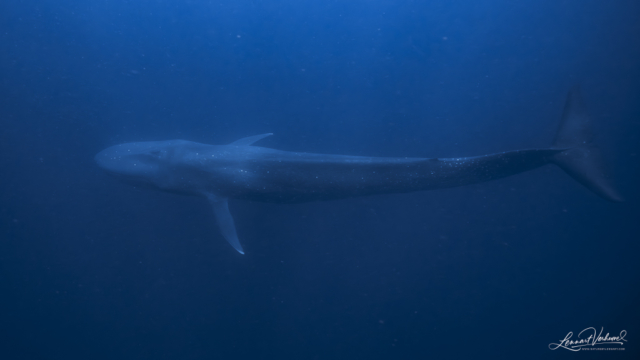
[(250, 140), (225, 221)]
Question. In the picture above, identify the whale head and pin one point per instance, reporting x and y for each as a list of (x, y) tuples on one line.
[(139, 162)]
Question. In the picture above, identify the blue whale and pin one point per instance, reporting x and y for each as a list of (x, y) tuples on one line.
[(243, 171)]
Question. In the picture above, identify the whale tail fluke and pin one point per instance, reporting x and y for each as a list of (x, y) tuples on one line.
[(582, 159)]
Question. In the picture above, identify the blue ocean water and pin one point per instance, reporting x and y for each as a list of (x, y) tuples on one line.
[(91, 268)]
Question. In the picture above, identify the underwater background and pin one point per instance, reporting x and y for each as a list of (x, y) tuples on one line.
[(91, 268)]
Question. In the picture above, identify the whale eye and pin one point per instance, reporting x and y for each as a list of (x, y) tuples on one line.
[(155, 153)]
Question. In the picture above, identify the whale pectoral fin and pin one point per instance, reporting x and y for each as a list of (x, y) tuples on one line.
[(225, 221), (250, 140)]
